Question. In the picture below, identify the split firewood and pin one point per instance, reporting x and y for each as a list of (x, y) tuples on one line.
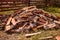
[(13, 21), (42, 25), (9, 20), (17, 30), (20, 28), (57, 37), (8, 27), (25, 15), (52, 25), (27, 35), (35, 19), (58, 22), (28, 8)]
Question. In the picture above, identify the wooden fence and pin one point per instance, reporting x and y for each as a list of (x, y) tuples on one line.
[(5, 6), (15, 5)]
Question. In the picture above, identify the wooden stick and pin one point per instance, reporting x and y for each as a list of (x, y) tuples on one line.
[(8, 27), (27, 35), (49, 37), (58, 22)]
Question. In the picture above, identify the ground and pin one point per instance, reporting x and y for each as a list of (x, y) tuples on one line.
[(44, 33)]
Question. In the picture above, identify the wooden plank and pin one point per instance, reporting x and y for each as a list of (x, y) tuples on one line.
[(27, 35), (49, 37)]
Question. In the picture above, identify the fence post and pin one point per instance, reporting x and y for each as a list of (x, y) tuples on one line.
[(28, 2)]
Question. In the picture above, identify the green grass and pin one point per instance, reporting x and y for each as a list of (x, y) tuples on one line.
[(53, 10), (44, 33), (6, 12)]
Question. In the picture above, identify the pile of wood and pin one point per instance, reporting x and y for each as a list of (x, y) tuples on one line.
[(31, 18), (3, 20)]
